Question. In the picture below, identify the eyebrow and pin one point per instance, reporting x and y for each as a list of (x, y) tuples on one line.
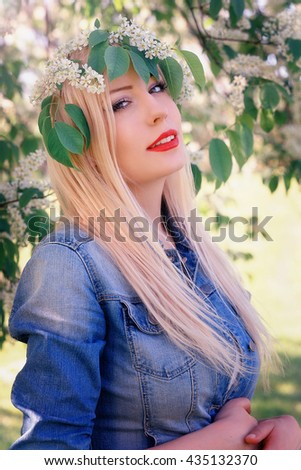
[(128, 87)]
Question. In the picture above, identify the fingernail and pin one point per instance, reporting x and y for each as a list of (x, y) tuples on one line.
[(251, 436)]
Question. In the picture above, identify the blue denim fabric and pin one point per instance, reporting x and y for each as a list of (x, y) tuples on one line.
[(99, 373)]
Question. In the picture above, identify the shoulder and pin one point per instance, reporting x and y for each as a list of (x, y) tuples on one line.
[(68, 253), (57, 289), (68, 246)]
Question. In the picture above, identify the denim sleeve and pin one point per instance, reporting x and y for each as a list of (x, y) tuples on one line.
[(56, 313)]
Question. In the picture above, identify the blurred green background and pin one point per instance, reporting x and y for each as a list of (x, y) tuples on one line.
[(272, 272), (273, 276)]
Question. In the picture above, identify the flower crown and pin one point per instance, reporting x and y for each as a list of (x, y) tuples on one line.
[(136, 46)]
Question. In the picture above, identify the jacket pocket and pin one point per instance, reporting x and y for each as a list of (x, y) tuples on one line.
[(153, 352)]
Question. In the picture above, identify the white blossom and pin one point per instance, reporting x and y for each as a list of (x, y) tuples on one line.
[(221, 30), (292, 139), (141, 38), (23, 178), (7, 293), (250, 66), (17, 224), (286, 24), (60, 68), (195, 156), (236, 94)]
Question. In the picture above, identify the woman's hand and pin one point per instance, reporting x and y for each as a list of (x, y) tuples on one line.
[(232, 423), (279, 433), (234, 417)]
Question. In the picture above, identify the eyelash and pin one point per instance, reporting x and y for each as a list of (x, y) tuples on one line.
[(119, 105)]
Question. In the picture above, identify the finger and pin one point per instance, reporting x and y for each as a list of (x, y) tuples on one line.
[(244, 403), (260, 432)]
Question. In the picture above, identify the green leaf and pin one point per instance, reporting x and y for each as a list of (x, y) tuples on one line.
[(4, 226), (247, 140), (38, 225), (295, 47), (96, 57), (79, 120), (173, 75), (215, 8), (231, 53), (197, 176), (246, 120), (117, 61), (281, 117), (273, 183), (97, 23), (267, 119), (140, 66), (28, 194), (46, 101), (44, 114), (30, 144), (152, 64), (195, 66), (218, 184), (284, 92), (9, 258), (238, 7), (69, 137), (215, 57), (46, 128), (56, 149), (269, 96), (220, 159), (98, 36), (5, 150), (236, 147)]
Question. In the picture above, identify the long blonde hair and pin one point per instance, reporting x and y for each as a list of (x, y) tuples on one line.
[(172, 302)]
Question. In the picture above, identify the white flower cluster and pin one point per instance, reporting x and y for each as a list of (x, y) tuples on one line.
[(9, 190), (187, 87), (8, 13), (195, 156), (29, 164), (146, 42), (286, 24), (236, 95), (7, 293), (75, 44), (250, 66), (23, 178), (141, 38), (17, 224), (292, 139), (221, 30), (60, 68)]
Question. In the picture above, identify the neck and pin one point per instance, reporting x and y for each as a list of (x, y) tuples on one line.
[(149, 196)]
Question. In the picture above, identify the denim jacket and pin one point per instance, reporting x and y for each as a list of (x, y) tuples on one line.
[(100, 374)]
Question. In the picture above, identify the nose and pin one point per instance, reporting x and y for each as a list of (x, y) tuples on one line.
[(156, 110)]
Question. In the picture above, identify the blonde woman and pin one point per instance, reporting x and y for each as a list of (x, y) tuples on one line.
[(139, 335)]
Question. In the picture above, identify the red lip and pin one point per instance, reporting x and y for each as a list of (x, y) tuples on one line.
[(166, 146)]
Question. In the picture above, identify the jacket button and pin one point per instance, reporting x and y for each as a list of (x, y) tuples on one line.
[(252, 345)]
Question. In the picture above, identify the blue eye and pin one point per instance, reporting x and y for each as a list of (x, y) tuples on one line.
[(122, 104), (158, 87)]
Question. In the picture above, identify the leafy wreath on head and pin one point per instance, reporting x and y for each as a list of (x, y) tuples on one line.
[(138, 47)]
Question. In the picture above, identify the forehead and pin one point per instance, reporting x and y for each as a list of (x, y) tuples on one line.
[(129, 79)]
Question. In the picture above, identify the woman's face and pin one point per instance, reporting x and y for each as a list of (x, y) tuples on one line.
[(149, 139)]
